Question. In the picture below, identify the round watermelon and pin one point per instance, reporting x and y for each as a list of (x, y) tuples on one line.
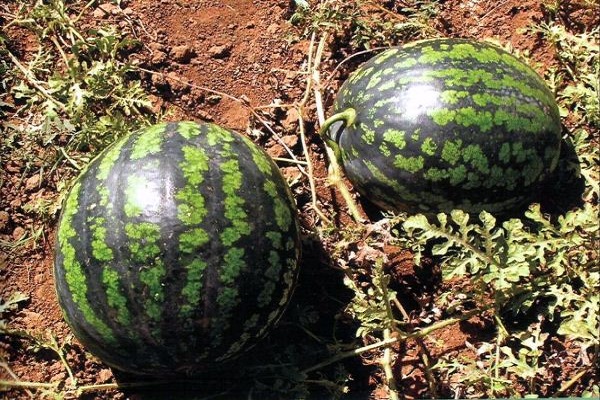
[(177, 249), (446, 123)]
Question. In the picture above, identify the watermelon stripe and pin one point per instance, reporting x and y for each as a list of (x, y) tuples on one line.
[(256, 326), (191, 211), (188, 129), (233, 260), (148, 143), (145, 250), (74, 274)]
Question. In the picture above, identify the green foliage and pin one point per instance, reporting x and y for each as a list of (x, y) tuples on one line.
[(371, 304), (519, 265), (576, 80), (77, 82), (530, 261), (366, 24)]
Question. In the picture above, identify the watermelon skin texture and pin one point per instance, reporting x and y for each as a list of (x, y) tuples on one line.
[(447, 123), (177, 249)]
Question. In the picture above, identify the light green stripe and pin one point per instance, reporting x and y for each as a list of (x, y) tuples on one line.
[(234, 211), (188, 129), (114, 296), (144, 249), (74, 273), (395, 137), (283, 216), (262, 161), (192, 291), (107, 162), (149, 141), (234, 204), (100, 249), (109, 159), (191, 211)]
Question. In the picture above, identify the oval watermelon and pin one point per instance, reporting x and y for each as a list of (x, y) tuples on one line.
[(446, 123), (176, 250)]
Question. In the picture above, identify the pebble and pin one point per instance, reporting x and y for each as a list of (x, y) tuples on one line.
[(32, 183), (104, 375), (18, 233), (182, 54), (176, 83), (4, 220), (290, 140), (291, 119), (104, 10), (222, 51)]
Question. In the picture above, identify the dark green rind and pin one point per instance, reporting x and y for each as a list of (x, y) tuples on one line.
[(177, 249), (448, 123)]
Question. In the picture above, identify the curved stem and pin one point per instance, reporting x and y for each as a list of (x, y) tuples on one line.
[(348, 116)]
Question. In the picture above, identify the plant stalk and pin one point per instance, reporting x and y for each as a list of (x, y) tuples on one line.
[(348, 116), (386, 363), (403, 337)]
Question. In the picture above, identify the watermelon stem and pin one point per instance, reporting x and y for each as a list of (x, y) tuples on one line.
[(348, 116)]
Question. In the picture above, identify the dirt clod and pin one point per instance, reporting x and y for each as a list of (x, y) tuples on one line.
[(32, 182), (221, 51), (182, 54), (18, 233), (4, 220)]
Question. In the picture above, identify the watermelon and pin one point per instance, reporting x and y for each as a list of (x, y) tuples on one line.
[(446, 124), (177, 249)]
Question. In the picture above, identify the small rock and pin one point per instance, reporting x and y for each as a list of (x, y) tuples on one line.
[(104, 375), (32, 183), (213, 99), (159, 53), (155, 46), (159, 81), (289, 173), (4, 220), (222, 51), (290, 140), (273, 28), (277, 150), (99, 13), (245, 99), (177, 85), (291, 119), (157, 103), (182, 54), (158, 57), (18, 233), (58, 377), (13, 167), (104, 10), (205, 116)]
